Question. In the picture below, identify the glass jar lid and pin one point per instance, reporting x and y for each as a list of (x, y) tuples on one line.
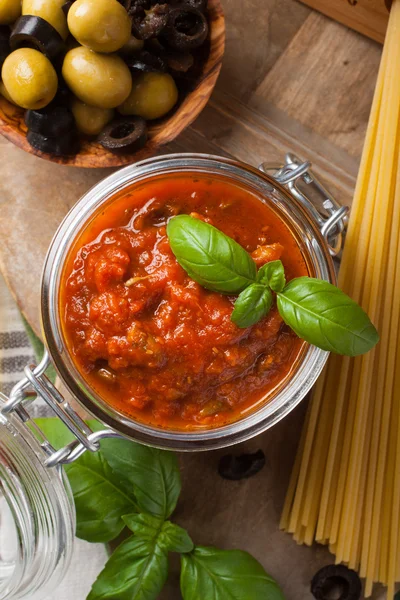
[(37, 515)]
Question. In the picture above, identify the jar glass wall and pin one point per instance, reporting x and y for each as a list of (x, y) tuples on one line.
[(37, 515)]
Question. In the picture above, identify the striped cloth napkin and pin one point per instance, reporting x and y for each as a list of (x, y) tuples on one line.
[(16, 352)]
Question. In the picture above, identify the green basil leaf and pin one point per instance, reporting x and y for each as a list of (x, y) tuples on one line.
[(215, 574), (152, 474), (209, 256), (99, 494), (171, 537), (252, 304), (137, 570), (175, 538), (273, 275), (323, 315), (145, 525)]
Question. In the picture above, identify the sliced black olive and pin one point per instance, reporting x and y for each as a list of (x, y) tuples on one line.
[(240, 467), (338, 580), (146, 61), (179, 62), (199, 4), (4, 43), (187, 28), (150, 23), (63, 145), (51, 121), (124, 135), (35, 32)]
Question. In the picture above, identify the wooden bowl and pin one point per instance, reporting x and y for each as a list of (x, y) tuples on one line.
[(12, 125)]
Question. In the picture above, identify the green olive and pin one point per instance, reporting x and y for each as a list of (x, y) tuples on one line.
[(152, 96), (10, 10), (50, 11), (132, 45), (102, 25), (30, 78), (100, 80), (4, 93), (90, 120)]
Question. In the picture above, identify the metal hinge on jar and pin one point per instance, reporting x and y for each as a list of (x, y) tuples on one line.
[(330, 216), (35, 383)]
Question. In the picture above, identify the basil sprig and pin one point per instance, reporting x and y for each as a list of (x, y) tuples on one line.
[(316, 310), (126, 486)]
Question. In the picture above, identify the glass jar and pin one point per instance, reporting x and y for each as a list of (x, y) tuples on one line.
[(37, 517)]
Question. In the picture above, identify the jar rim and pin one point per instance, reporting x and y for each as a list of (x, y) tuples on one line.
[(279, 405)]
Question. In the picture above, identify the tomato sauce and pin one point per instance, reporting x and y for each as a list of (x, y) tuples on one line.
[(151, 341)]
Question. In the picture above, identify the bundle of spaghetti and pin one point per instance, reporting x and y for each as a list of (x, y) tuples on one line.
[(345, 485)]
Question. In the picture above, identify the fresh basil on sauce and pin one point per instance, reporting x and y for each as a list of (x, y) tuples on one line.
[(252, 305), (323, 315), (272, 274), (316, 310), (209, 256)]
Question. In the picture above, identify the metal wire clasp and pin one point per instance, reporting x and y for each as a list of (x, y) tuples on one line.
[(36, 383), (305, 187)]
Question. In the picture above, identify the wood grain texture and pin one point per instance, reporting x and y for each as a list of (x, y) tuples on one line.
[(92, 154), (369, 17)]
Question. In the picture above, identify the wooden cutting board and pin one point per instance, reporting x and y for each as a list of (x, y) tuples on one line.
[(292, 80)]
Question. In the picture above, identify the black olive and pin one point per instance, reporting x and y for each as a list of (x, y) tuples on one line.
[(179, 62), (35, 32), (51, 121), (146, 61), (150, 23), (240, 467), (4, 43), (187, 28), (124, 135), (66, 6), (199, 4), (336, 578), (63, 145)]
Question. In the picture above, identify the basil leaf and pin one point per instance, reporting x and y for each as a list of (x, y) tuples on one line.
[(153, 474), (171, 537), (175, 538), (100, 496), (137, 570), (252, 304), (209, 256), (273, 275), (323, 315), (215, 574)]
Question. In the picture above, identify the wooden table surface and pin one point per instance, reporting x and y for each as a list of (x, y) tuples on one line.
[(292, 80)]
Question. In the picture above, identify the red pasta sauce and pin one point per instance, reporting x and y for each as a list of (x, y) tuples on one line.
[(148, 339)]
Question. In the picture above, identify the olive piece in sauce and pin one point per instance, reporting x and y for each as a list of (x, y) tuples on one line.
[(10, 10), (30, 78), (50, 10), (187, 28), (241, 467), (180, 62), (4, 43), (90, 120), (102, 25), (35, 32), (149, 23), (51, 121), (124, 135), (100, 80), (152, 96), (64, 145), (338, 580)]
